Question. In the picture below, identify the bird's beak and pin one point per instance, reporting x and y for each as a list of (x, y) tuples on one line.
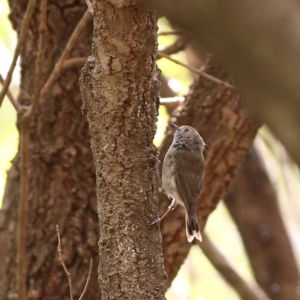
[(175, 126)]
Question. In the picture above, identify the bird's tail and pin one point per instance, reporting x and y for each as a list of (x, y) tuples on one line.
[(192, 227)]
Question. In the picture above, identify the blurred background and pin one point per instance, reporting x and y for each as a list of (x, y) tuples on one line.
[(197, 279)]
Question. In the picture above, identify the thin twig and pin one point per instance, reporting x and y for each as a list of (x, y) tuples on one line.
[(246, 290), (22, 214), (74, 62), (59, 65), (171, 102), (25, 120), (10, 96), (40, 58), (62, 261), (179, 45), (174, 32), (201, 73), (23, 32), (90, 8), (88, 279), (61, 258)]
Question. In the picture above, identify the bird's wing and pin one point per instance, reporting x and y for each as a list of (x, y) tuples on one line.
[(189, 186)]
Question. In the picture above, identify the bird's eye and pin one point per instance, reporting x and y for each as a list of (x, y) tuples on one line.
[(187, 129)]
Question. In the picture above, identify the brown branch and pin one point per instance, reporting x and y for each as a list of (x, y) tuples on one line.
[(246, 290), (90, 7), (23, 32), (198, 72), (59, 65), (25, 120), (253, 205), (62, 261), (74, 62), (179, 45), (61, 258), (172, 102), (218, 114), (10, 96), (265, 61), (40, 58), (87, 279), (174, 32), (22, 212)]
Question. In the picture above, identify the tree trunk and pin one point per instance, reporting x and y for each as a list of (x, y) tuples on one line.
[(252, 202), (61, 170), (119, 87)]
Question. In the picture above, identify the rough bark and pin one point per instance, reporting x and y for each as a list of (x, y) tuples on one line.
[(119, 87), (259, 43), (61, 170), (219, 116), (252, 203)]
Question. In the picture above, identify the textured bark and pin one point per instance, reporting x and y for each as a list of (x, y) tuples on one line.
[(119, 87), (259, 44), (252, 203), (219, 116), (61, 170)]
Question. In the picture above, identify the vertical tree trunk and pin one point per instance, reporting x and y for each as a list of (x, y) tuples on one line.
[(119, 87), (61, 170)]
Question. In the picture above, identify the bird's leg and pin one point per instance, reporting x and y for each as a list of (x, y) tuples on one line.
[(171, 207)]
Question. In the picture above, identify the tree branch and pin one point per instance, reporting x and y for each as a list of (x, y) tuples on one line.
[(246, 290), (172, 102), (25, 116), (40, 58), (252, 203), (176, 47), (218, 114), (10, 96), (173, 32), (22, 213), (62, 261), (259, 42), (23, 32), (74, 62), (87, 279), (60, 64), (198, 72)]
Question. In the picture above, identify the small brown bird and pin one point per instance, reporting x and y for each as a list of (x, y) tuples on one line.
[(182, 175)]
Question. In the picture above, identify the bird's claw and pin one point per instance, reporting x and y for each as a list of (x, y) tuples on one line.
[(155, 221)]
